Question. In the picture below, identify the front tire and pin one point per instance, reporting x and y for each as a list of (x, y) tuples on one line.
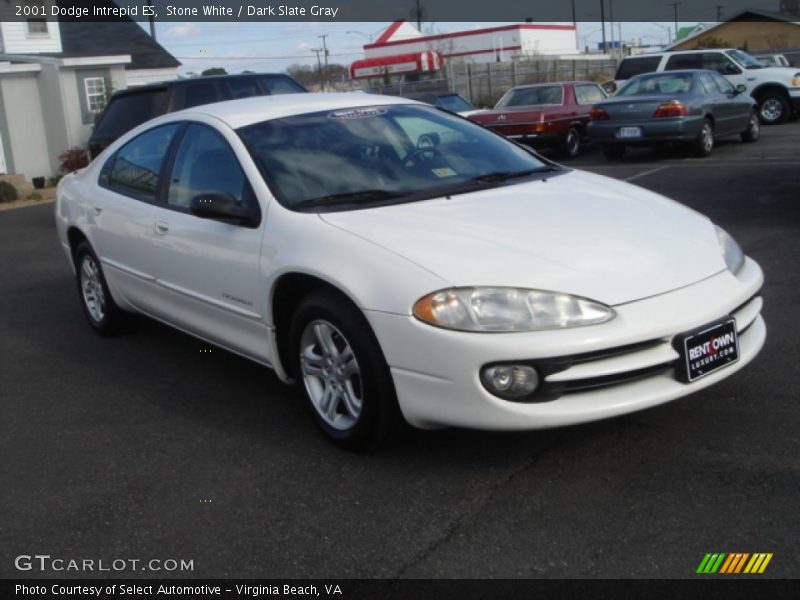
[(773, 108), (103, 314), (704, 143), (346, 381), (753, 131)]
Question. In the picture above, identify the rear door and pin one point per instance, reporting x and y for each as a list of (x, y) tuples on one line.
[(717, 103), (121, 213)]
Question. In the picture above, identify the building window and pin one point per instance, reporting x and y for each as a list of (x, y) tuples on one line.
[(37, 27), (95, 93)]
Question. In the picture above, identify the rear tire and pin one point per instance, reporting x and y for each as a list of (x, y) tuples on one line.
[(613, 151), (773, 108), (570, 146), (346, 381), (753, 131), (103, 314), (703, 145)]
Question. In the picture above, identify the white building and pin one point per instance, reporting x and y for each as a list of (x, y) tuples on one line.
[(54, 81), (488, 44)]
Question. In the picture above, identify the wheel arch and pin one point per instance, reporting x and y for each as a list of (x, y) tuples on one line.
[(75, 236), (286, 293), (765, 88)]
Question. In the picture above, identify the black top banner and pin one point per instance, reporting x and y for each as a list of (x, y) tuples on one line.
[(390, 10)]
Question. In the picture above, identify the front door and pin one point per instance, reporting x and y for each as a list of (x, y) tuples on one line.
[(208, 270)]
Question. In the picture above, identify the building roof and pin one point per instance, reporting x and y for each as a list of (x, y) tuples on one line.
[(103, 38), (748, 15)]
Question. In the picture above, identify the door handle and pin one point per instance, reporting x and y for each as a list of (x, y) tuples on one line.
[(161, 227), (97, 209)]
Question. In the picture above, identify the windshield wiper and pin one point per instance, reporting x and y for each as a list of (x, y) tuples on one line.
[(500, 176), (350, 198)]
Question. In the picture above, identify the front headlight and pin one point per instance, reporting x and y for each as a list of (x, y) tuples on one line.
[(731, 251), (495, 309)]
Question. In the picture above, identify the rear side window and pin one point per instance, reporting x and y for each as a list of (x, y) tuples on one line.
[(136, 167), (243, 87), (630, 67), (127, 111), (678, 62), (281, 85), (589, 94), (197, 93)]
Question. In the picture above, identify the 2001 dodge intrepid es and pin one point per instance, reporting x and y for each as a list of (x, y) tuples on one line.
[(404, 263)]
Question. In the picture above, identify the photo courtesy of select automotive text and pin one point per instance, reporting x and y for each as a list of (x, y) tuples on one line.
[(399, 299)]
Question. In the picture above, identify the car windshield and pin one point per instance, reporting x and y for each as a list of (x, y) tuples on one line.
[(532, 96), (348, 158), (745, 60), (454, 103), (662, 83)]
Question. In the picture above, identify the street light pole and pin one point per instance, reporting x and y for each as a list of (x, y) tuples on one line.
[(675, 9), (603, 23)]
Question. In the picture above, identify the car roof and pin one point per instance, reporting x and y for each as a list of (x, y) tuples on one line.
[(547, 83), (246, 111), (156, 85), (671, 52)]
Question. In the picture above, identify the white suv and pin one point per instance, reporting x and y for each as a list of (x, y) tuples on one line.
[(776, 89)]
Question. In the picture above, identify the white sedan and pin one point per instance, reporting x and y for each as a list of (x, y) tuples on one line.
[(405, 264)]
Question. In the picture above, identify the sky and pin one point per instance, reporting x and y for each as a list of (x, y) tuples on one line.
[(272, 47)]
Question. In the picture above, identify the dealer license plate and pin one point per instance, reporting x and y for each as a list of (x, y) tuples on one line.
[(707, 349), (629, 132)]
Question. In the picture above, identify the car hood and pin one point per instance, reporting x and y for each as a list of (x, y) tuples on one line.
[(577, 233)]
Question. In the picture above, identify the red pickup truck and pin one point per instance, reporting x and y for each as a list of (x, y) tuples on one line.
[(545, 114)]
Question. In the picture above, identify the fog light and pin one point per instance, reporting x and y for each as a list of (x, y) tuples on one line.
[(510, 381)]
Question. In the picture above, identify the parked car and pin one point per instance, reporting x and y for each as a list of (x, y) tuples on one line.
[(133, 106), (545, 115), (693, 107), (403, 263), (773, 60), (776, 89), (451, 102)]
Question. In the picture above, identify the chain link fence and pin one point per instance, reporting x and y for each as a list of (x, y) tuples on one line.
[(484, 83)]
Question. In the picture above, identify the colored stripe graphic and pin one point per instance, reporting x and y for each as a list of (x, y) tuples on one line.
[(734, 563)]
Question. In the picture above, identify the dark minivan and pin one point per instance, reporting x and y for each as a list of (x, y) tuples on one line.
[(128, 108)]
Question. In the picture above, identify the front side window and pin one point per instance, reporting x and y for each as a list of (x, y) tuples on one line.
[(137, 165), (533, 96), (707, 84), (205, 164), (454, 104), (725, 86), (747, 61), (380, 154), (659, 83), (95, 88), (589, 94), (281, 85)]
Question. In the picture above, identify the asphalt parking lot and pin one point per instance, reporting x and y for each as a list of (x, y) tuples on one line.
[(147, 447)]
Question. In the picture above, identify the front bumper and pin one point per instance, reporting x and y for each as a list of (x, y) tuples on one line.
[(436, 371), (794, 98), (679, 129)]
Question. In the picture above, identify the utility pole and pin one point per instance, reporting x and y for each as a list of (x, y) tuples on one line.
[(418, 14), (603, 23), (675, 9), (319, 67), (611, 22), (719, 13), (574, 24), (152, 22), (325, 55)]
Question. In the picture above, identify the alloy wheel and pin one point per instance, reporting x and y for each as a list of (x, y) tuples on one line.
[(92, 289), (331, 374), (771, 110)]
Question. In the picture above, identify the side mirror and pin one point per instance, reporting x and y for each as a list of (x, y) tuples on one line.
[(741, 88), (222, 206)]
